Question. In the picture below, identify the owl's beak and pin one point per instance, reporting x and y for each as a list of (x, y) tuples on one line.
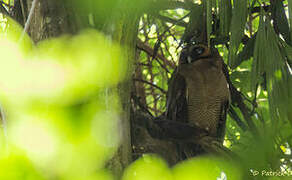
[(189, 59)]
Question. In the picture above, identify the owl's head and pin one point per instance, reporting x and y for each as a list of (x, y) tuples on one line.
[(196, 52)]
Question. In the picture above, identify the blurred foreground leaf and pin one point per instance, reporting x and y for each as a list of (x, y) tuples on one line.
[(70, 68), (206, 168), (15, 167), (59, 113), (146, 168)]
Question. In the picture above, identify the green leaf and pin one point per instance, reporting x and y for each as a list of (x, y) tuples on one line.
[(290, 15), (241, 79), (225, 14), (268, 59), (234, 115), (257, 69), (246, 53), (147, 167), (206, 167), (288, 52), (211, 4), (280, 19), (194, 29), (239, 18)]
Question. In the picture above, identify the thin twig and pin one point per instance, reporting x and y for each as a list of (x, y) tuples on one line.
[(4, 124), (146, 48), (170, 4), (170, 20), (27, 24), (140, 104), (8, 5), (23, 11), (3, 9), (151, 84), (237, 100)]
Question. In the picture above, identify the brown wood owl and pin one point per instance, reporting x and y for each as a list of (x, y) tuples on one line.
[(198, 92)]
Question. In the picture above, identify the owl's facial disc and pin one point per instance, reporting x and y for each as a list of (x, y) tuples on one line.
[(196, 53)]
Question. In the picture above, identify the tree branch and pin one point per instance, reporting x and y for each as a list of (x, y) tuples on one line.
[(237, 100), (170, 20), (257, 9), (29, 18), (3, 9), (146, 48), (151, 84), (170, 4), (236, 118), (23, 11)]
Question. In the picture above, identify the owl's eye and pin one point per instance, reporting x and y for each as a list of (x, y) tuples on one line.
[(197, 51)]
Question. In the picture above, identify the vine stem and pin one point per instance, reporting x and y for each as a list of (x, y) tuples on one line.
[(4, 125), (28, 21)]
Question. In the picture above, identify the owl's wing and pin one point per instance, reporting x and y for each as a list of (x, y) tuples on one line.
[(224, 106), (222, 120), (176, 103)]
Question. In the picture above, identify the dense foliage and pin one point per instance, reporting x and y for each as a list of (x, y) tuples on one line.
[(254, 38), (60, 90)]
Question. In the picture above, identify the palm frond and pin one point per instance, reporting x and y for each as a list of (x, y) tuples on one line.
[(238, 21), (225, 14)]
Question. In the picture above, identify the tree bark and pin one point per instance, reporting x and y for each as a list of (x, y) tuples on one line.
[(54, 17), (123, 29), (50, 19)]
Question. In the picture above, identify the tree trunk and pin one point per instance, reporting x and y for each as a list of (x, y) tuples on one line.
[(123, 28), (50, 19), (53, 18)]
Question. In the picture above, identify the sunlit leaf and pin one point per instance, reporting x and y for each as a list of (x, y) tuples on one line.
[(71, 68), (15, 167), (14, 32), (246, 53), (206, 168), (58, 115), (148, 167)]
